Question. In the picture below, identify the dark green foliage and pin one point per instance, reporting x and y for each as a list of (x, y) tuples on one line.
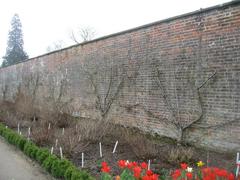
[(30, 150), (48, 163), (126, 174), (164, 173), (42, 154), (76, 175), (106, 176), (20, 143), (69, 172), (84, 175), (59, 168), (72, 173), (55, 170), (14, 51), (33, 152)]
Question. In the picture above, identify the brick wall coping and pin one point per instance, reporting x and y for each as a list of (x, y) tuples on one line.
[(220, 6)]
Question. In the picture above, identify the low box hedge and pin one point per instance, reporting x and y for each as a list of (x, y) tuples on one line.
[(59, 168)]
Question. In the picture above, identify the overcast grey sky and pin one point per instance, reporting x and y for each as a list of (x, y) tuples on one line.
[(47, 21)]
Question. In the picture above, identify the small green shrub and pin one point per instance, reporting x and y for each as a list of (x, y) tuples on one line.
[(21, 143), (79, 175), (85, 175), (10, 137), (59, 168), (33, 152), (27, 148), (47, 163), (69, 172), (76, 175), (55, 169), (42, 154), (30, 150), (1, 129), (72, 173)]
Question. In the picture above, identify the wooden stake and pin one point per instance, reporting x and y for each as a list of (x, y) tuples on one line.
[(56, 143), (63, 131), (100, 149), (114, 149), (49, 126), (52, 150), (29, 131), (238, 165), (18, 128), (61, 153), (82, 160), (149, 164)]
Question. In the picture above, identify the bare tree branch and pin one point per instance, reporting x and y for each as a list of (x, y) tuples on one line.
[(4, 91), (73, 37), (82, 35), (208, 79), (111, 85)]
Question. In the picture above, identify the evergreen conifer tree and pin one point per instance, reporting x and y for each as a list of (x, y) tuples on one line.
[(15, 52)]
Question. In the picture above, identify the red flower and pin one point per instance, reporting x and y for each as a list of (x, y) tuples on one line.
[(146, 178), (231, 176), (104, 164), (154, 177), (184, 165), (189, 175), (176, 174), (130, 165), (134, 163), (105, 169), (150, 177), (149, 172), (221, 172), (207, 178), (206, 171), (137, 171), (122, 163), (144, 165)]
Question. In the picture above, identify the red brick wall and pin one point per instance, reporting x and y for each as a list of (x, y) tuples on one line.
[(155, 72)]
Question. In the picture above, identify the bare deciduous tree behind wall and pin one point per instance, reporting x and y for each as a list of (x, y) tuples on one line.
[(57, 45), (82, 34)]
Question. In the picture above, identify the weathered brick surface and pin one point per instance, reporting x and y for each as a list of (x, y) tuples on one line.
[(147, 67)]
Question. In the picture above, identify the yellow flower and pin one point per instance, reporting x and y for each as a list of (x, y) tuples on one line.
[(200, 163)]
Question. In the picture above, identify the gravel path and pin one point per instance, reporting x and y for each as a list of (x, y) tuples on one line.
[(14, 165)]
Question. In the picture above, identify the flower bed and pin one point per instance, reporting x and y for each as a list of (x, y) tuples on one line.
[(140, 171), (59, 168), (64, 169)]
